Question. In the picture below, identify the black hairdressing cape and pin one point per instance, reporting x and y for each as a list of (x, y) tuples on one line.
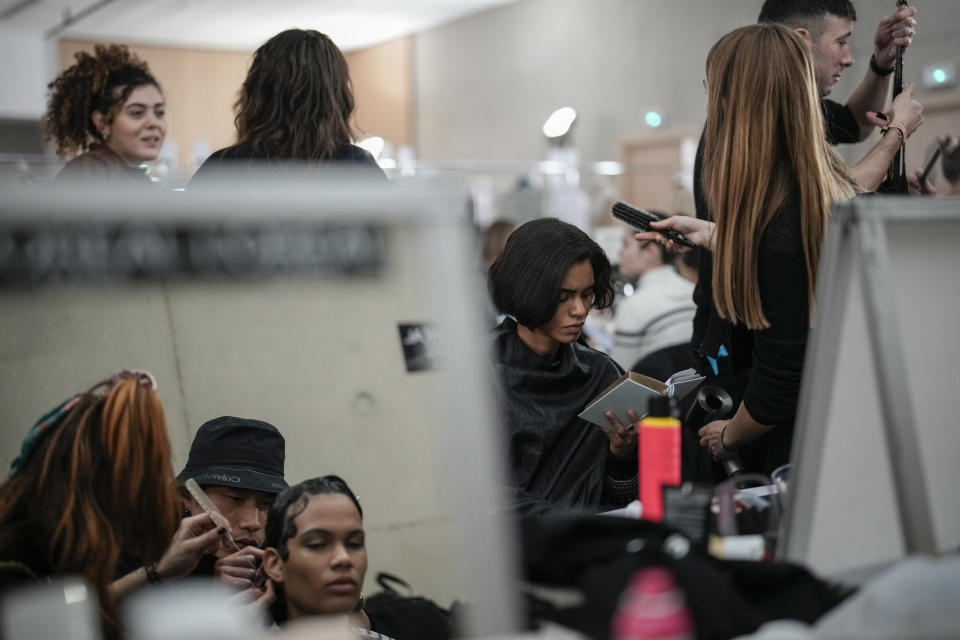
[(555, 458)]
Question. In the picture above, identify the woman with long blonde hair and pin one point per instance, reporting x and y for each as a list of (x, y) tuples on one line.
[(769, 181), (93, 481)]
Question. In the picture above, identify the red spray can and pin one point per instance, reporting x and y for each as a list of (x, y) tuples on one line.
[(660, 449)]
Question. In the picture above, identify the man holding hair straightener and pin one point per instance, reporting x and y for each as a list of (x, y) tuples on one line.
[(827, 26)]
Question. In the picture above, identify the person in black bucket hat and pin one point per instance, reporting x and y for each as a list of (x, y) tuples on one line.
[(238, 462), (237, 452)]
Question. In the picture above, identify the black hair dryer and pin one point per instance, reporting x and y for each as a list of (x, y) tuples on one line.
[(712, 403)]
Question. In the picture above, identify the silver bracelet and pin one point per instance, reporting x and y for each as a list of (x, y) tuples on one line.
[(723, 445)]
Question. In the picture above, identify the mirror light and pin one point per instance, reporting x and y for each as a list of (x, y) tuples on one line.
[(559, 122)]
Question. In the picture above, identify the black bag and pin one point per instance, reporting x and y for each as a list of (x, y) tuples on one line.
[(597, 555), (404, 616)]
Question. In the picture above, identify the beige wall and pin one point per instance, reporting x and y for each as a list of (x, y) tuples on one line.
[(485, 84), (201, 88), (383, 86)]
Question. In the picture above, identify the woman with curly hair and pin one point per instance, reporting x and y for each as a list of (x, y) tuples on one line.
[(107, 111), (94, 480), (295, 106)]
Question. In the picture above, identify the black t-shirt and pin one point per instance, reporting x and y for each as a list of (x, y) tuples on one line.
[(841, 126), (347, 156)]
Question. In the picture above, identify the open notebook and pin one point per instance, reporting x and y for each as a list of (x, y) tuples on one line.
[(633, 391)]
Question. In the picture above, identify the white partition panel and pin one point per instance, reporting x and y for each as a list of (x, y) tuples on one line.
[(876, 443)]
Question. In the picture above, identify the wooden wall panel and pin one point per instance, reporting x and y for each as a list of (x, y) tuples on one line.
[(651, 167)]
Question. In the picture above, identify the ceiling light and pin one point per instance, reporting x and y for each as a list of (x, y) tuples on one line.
[(559, 122), (939, 76), (608, 168)]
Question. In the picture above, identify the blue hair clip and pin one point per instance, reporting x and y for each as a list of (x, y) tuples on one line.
[(39, 430), (721, 352)]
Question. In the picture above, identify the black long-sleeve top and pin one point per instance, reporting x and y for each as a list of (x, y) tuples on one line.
[(240, 157), (768, 362), (778, 351)]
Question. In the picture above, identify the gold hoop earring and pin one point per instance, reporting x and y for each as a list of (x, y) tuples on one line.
[(359, 606)]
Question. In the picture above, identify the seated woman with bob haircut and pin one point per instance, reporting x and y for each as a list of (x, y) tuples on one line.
[(316, 554), (548, 278)]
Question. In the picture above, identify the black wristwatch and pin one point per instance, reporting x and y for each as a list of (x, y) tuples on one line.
[(877, 69)]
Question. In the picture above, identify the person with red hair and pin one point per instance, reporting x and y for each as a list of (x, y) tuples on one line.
[(93, 480)]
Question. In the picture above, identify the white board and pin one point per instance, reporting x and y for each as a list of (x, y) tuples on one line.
[(876, 445)]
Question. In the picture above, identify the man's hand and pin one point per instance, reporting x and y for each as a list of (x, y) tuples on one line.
[(623, 440), (896, 30)]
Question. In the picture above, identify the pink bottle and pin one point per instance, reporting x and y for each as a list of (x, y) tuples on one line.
[(652, 608)]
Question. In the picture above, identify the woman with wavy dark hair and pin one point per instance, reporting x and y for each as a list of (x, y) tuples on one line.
[(295, 106), (548, 278), (93, 480), (107, 111)]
